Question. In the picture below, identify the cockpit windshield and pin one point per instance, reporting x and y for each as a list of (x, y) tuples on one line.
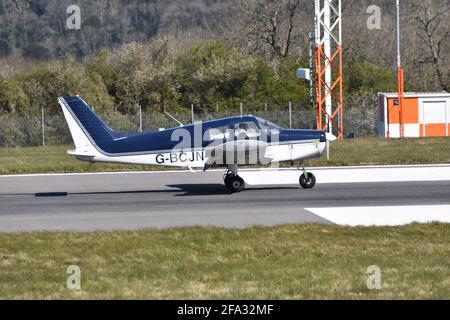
[(266, 124)]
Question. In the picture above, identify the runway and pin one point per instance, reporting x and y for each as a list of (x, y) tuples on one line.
[(132, 201)]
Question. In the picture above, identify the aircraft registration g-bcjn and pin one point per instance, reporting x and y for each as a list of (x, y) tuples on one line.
[(229, 143)]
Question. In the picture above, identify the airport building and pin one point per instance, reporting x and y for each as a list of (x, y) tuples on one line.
[(423, 115)]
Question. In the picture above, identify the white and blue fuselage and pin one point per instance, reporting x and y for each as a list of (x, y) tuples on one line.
[(190, 145)]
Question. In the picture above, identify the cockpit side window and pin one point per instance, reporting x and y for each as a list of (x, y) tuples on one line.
[(246, 129), (246, 126), (215, 134), (265, 124)]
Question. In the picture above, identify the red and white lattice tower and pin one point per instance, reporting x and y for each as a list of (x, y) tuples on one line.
[(328, 66)]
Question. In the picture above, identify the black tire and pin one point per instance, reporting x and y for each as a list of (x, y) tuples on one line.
[(234, 183), (307, 181)]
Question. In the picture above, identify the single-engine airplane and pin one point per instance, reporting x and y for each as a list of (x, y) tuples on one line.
[(229, 142)]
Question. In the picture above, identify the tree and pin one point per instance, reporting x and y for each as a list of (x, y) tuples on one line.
[(431, 18), (160, 83), (268, 26), (209, 74), (363, 76), (129, 63), (37, 51)]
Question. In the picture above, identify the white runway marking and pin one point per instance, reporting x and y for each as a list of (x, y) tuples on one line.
[(282, 176), (384, 216), (351, 175)]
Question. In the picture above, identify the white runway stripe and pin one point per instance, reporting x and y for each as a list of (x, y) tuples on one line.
[(350, 175), (384, 216), (433, 172)]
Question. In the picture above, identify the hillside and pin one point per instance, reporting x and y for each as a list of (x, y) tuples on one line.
[(37, 29)]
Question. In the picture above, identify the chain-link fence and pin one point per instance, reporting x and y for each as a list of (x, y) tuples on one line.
[(53, 130)]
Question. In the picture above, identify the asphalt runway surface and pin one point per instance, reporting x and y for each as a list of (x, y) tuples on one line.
[(132, 201)]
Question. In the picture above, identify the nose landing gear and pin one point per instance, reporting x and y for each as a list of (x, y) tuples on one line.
[(307, 179)]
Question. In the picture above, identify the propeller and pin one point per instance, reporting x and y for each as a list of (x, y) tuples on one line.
[(330, 138)]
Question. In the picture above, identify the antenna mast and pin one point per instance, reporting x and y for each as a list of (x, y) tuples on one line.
[(400, 76), (328, 60)]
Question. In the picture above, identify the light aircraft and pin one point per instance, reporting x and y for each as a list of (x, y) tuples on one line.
[(229, 142)]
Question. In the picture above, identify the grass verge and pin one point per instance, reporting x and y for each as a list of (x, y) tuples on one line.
[(369, 151), (286, 262)]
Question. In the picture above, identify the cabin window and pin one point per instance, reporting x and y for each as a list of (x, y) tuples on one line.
[(265, 124), (246, 129), (215, 134)]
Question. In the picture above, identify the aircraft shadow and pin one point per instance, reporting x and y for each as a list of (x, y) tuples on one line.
[(214, 189), (185, 189), (200, 189), (176, 189)]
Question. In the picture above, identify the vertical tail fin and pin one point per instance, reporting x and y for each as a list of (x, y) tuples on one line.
[(86, 128)]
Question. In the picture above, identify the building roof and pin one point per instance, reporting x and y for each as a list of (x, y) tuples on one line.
[(417, 94)]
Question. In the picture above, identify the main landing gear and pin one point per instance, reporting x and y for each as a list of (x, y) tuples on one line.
[(307, 179), (232, 181)]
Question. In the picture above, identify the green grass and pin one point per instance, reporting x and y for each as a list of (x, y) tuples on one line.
[(373, 151), (51, 160), (286, 262), (370, 151)]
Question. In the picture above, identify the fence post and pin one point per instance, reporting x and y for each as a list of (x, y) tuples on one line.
[(242, 109), (290, 115), (192, 112), (140, 117), (43, 126)]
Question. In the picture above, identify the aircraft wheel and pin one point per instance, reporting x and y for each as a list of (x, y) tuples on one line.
[(234, 183), (307, 181)]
